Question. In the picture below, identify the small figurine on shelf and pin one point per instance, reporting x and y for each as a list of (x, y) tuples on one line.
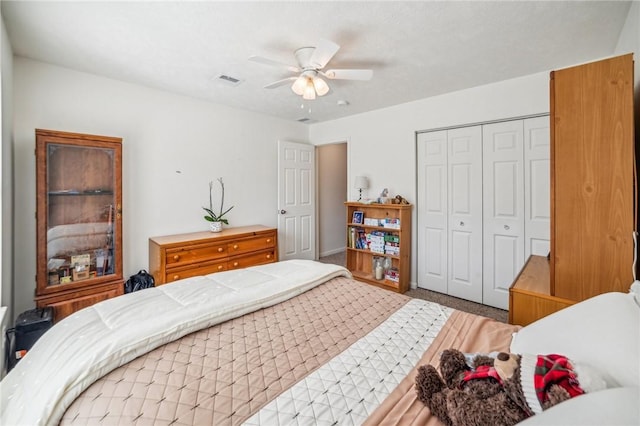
[(399, 200), (384, 196)]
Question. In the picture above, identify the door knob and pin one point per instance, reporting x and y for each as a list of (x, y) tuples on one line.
[(283, 211), (461, 223), (507, 227)]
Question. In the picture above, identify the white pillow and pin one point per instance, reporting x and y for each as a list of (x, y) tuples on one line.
[(618, 406), (603, 332)]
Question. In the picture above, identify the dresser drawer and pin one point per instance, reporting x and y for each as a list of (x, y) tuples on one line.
[(266, 256), (251, 244), (194, 254), (193, 271)]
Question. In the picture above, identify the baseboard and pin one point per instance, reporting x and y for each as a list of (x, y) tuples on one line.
[(334, 251)]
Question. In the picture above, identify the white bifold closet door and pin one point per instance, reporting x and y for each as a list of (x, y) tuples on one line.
[(450, 215), (503, 209), (483, 207)]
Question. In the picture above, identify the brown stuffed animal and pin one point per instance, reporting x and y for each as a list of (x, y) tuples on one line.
[(491, 393), (466, 396)]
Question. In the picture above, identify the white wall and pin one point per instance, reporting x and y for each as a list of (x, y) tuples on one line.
[(172, 147), (332, 193), (382, 143)]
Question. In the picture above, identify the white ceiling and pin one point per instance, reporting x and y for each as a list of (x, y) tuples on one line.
[(416, 49)]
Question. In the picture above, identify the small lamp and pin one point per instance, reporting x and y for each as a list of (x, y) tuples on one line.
[(361, 183)]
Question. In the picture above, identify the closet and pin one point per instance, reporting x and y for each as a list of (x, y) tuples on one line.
[(483, 206)]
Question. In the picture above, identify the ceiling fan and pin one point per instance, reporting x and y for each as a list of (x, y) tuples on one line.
[(311, 61)]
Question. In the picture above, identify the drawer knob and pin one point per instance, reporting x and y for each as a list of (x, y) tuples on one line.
[(268, 256), (235, 247), (220, 249), (268, 240), (176, 277), (176, 257), (220, 267), (235, 264)]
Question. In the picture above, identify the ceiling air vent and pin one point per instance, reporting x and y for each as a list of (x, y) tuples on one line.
[(227, 79)]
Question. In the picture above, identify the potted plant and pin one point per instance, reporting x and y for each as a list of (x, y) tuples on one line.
[(216, 219)]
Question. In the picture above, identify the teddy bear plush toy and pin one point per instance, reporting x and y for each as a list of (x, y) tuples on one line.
[(499, 391)]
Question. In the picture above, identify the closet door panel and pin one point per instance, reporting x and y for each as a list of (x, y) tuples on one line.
[(503, 209), (432, 214), (465, 213), (537, 178)]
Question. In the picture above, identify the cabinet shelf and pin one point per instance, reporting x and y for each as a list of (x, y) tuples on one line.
[(369, 278), (373, 253), (373, 227), (78, 193)]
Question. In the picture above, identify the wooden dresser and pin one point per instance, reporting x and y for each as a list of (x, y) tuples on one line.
[(174, 257)]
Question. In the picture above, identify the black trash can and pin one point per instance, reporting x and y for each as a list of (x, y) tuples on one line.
[(29, 326)]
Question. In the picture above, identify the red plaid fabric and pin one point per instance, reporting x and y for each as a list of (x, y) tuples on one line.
[(482, 372), (555, 369)]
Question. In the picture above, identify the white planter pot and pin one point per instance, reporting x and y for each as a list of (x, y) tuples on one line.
[(215, 226)]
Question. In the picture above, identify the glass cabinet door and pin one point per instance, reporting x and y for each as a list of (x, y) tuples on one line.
[(79, 213)]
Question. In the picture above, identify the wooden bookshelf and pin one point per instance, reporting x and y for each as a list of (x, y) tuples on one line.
[(360, 255)]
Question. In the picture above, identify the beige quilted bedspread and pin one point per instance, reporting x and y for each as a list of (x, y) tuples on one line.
[(223, 374)]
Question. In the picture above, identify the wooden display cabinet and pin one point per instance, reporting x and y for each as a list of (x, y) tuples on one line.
[(360, 256), (78, 220)]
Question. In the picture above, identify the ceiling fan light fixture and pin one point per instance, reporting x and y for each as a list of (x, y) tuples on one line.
[(321, 86), (299, 85), (309, 91)]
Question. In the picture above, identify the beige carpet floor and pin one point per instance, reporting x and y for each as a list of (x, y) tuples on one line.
[(442, 299)]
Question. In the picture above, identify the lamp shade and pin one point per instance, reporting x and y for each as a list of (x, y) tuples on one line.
[(309, 91), (299, 85), (361, 182), (321, 86)]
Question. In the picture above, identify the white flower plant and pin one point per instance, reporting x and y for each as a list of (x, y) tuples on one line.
[(211, 215)]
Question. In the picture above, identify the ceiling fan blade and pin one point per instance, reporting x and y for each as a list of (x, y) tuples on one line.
[(323, 53), (267, 61), (280, 83), (349, 74)]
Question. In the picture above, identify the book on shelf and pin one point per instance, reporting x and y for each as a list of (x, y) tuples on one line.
[(392, 274), (393, 223)]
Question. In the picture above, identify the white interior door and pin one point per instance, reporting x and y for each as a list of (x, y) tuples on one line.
[(465, 213), (296, 201), (503, 210), (537, 181), (433, 211)]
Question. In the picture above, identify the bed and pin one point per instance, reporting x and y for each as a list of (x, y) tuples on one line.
[(295, 342)]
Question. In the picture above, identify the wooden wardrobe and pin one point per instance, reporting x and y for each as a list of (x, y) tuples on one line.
[(593, 191), (593, 187)]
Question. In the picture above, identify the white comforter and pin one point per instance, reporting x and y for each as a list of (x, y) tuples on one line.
[(88, 344)]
